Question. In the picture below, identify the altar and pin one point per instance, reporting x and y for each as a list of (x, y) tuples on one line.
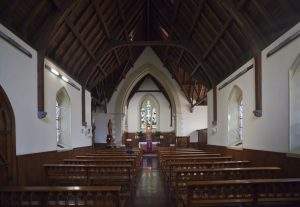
[(146, 148)]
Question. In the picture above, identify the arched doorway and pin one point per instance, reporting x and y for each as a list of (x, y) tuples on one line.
[(8, 169), (235, 118)]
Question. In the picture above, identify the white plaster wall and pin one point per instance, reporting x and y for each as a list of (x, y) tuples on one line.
[(101, 122), (271, 131), (18, 78), (186, 122), (295, 107)]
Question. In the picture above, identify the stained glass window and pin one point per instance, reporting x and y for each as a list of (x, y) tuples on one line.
[(148, 114), (63, 122)]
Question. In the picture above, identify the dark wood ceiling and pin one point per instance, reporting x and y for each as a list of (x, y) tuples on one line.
[(200, 42)]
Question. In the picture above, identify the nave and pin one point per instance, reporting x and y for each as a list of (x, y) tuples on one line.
[(184, 103), (172, 177)]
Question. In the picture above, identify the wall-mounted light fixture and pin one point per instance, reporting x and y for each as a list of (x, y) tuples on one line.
[(55, 72), (65, 79), (62, 77)]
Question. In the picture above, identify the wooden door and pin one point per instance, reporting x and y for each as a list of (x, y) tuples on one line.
[(7, 142)]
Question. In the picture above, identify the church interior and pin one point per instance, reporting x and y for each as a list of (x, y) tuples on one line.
[(150, 103)]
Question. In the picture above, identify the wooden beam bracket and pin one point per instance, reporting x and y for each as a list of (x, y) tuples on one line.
[(84, 123), (215, 106), (41, 114), (258, 85)]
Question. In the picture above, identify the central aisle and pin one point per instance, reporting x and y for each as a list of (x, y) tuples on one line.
[(150, 190)]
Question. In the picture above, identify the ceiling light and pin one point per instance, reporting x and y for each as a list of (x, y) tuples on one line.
[(65, 78), (55, 72), (166, 34)]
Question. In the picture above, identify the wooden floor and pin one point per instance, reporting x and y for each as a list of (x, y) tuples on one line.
[(150, 190)]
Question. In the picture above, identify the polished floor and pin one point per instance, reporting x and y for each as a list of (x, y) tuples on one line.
[(150, 190)]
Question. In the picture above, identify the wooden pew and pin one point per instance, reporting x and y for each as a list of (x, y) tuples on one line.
[(189, 155), (203, 165), (112, 175), (180, 177), (105, 156), (160, 149), (136, 169), (165, 163), (183, 153), (86, 196), (99, 162), (137, 160), (137, 156), (251, 192)]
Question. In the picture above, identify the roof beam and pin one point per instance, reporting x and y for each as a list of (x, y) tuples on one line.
[(200, 7), (78, 35), (218, 37), (32, 16), (201, 64), (118, 44), (263, 12), (126, 34), (255, 44), (148, 21), (195, 19), (176, 9), (101, 54), (106, 30)]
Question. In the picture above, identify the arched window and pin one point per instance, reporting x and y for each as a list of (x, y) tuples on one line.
[(63, 119), (235, 118), (149, 113), (295, 107)]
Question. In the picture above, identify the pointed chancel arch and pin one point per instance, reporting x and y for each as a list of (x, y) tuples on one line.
[(294, 74), (129, 83), (8, 170), (63, 119), (235, 117)]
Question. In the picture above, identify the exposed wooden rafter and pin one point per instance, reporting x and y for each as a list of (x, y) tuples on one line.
[(199, 42)]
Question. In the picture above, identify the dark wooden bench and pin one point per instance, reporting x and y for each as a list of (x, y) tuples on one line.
[(181, 152), (54, 196), (136, 169), (100, 162), (180, 177), (250, 192), (166, 162), (137, 160), (203, 165), (194, 155), (112, 175)]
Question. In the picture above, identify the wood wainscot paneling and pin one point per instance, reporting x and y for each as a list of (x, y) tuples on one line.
[(202, 137), (183, 141), (30, 166), (290, 165), (166, 139)]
